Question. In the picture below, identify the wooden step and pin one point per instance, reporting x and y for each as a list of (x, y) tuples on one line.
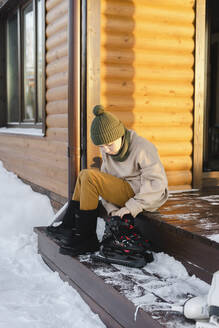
[(115, 310), (174, 230), (103, 295), (104, 288)]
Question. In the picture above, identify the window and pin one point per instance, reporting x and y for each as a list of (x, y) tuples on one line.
[(25, 68)]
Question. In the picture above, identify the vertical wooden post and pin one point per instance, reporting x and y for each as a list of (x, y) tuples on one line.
[(200, 96), (73, 94), (93, 70)]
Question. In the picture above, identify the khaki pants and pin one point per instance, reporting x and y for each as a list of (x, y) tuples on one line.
[(91, 183)]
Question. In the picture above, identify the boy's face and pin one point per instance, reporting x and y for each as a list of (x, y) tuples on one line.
[(113, 147)]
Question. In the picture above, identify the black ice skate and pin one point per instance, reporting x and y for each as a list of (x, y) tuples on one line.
[(123, 244)]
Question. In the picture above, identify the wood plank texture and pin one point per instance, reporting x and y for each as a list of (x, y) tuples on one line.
[(43, 161), (93, 71), (181, 228), (96, 308), (193, 218), (200, 96), (105, 296), (147, 58)]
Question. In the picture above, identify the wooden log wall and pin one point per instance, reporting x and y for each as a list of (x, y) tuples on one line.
[(43, 160), (147, 75)]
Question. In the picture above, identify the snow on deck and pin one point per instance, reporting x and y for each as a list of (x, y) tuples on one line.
[(195, 211)]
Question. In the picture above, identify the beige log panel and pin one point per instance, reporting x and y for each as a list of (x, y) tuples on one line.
[(50, 4), (58, 93), (57, 39), (57, 26), (157, 9), (160, 42), (56, 53), (153, 58), (56, 12), (43, 160), (171, 4), (174, 148), (147, 75), (37, 166), (35, 169), (57, 121), (60, 65), (179, 163), (47, 160), (41, 177), (157, 104), (165, 133), (179, 178), (148, 88), (57, 107), (45, 155), (50, 146), (137, 72), (146, 28), (42, 169), (56, 80), (60, 134), (149, 119)]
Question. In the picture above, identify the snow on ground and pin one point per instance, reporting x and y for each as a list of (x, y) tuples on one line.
[(31, 294)]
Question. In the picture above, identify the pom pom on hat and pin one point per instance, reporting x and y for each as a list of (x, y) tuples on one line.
[(98, 110), (105, 127)]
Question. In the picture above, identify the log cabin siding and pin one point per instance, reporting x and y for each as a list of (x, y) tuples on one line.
[(43, 160), (146, 76)]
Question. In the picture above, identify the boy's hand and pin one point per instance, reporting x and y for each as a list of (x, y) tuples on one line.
[(121, 212)]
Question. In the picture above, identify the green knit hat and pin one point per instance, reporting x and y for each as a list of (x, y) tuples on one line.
[(105, 127)]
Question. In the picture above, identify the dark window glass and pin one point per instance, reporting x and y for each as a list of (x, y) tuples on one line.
[(12, 69), (40, 60), (25, 65), (29, 67)]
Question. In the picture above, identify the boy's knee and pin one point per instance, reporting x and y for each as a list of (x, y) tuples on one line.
[(87, 174)]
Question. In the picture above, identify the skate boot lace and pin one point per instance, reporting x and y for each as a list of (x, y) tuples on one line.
[(123, 235), (133, 240)]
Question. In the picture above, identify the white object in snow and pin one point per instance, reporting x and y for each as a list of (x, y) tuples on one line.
[(196, 308), (200, 308), (213, 295)]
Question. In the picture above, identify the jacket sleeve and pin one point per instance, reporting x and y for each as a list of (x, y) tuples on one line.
[(153, 184)]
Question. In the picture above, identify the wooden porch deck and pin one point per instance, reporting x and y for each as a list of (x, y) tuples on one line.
[(181, 228), (194, 211)]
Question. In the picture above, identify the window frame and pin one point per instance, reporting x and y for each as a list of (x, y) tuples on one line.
[(18, 7)]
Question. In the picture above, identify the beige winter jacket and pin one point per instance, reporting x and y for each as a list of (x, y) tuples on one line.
[(144, 172)]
